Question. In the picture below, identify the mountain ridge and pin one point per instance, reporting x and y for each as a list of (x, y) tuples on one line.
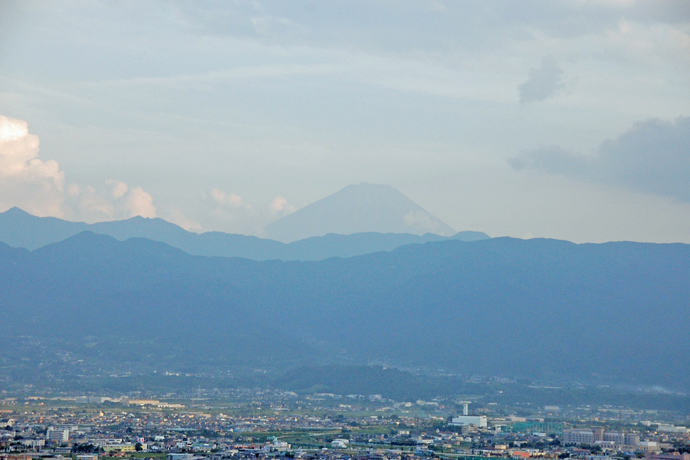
[(500, 306), (21, 229)]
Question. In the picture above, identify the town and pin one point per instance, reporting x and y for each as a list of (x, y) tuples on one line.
[(257, 424)]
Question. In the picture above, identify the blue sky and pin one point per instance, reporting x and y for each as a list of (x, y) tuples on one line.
[(530, 119)]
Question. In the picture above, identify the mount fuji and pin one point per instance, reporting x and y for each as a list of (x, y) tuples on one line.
[(358, 209)]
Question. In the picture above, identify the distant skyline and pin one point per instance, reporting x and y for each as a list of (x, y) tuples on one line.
[(566, 120)]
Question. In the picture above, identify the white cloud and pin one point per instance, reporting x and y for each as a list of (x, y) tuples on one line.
[(228, 199), (25, 180), (280, 205), (38, 186), (118, 188), (228, 212), (19, 155), (114, 200), (91, 204), (178, 217), (139, 202), (73, 190)]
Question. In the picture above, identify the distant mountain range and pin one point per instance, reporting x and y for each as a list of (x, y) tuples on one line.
[(358, 209), (20, 229), (610, 313)]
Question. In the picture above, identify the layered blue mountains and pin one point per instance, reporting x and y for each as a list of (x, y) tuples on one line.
[(21, 229), (80, 302)]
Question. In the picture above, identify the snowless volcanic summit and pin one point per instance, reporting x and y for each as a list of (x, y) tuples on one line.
[(357, 209)]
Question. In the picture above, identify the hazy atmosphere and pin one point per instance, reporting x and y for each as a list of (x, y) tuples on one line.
[(344, 230), (566, 120)]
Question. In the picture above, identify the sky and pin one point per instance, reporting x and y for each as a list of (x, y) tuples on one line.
[(566, 119)]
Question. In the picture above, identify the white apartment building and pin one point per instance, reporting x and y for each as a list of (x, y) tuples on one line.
[(599, 436), (57, 435), (464, 420), (578, 437)]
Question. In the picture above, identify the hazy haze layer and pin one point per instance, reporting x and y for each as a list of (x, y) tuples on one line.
[(554, 119)]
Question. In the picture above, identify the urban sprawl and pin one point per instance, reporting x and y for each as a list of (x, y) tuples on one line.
[(257, 424)]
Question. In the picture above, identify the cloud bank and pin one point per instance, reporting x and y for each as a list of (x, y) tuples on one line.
[(651, 157), (25, 180), (38, 186)]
